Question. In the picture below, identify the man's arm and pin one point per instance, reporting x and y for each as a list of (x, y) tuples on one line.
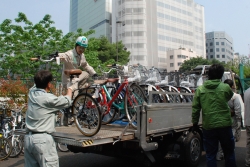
[(196, 108)]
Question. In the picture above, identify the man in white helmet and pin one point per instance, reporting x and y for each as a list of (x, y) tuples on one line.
[(74, 59)]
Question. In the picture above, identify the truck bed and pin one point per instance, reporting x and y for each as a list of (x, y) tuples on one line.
[(72, 136)]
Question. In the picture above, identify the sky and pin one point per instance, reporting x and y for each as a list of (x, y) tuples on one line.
[(231, 16)]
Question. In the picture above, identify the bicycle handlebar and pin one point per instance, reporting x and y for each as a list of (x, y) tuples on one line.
[(52, 57)]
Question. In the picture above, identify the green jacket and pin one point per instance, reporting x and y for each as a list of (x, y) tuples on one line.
[(211, 99)]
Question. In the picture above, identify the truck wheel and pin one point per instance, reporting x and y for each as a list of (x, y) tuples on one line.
[(192, 149)]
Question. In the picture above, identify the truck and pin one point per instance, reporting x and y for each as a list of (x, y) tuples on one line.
[(163, 132)]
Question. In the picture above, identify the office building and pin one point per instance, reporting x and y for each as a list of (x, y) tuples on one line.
[(153, 27), (176, 57), (219, 45), (147, 28), (91, 15)]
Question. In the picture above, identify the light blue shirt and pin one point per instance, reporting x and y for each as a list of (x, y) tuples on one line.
[(42, 106)]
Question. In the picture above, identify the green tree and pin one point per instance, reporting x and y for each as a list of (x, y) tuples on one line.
[(193, 62), (23, 40)]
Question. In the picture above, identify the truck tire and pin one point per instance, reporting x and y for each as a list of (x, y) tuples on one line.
[(192, 149)]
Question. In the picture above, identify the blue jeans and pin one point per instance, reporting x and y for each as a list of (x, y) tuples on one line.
[(211, 139)]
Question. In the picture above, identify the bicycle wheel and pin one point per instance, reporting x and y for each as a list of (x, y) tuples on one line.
[(62, 147), (134, 98), (87, 114), (17, 145), (5, 148)]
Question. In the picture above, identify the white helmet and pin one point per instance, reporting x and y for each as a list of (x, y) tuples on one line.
[(82, 41)]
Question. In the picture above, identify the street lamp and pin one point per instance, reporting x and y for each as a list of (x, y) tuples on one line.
[(123, 24)]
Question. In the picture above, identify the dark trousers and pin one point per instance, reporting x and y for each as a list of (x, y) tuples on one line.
[(211, 139)]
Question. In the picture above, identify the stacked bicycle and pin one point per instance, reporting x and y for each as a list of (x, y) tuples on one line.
[(85, 109)]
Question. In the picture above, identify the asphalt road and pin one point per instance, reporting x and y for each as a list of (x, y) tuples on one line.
[(69, 159)]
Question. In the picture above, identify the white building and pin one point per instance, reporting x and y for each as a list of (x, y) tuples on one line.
[(176, 57), (147, 28), (152, 27)]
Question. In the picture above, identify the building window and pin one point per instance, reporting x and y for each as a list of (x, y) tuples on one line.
[(217, 49), (206, 44), (222, 43), (218, 56), (171, 64), (223, 49), (223, 56), (211, 43), (179, 63), (217, 43), (171, 56), (206, 51), (211, 56), (211, 50)]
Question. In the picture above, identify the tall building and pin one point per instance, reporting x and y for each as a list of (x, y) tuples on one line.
[(148, 28), (219, 45), (91, 15), (153, 27)]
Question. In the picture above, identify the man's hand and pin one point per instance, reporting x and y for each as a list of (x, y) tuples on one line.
[(195, 128), (94, 76), (74, 87)]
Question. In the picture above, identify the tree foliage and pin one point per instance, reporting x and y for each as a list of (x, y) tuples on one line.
[(23, 40), (193, 62)]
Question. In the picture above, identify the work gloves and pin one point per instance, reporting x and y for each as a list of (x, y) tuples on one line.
[(95, 76), (195, 128)]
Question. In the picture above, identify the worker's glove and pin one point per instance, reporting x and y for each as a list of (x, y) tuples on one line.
[(95, 76), (74, 86), (238, 125), (195, 128)]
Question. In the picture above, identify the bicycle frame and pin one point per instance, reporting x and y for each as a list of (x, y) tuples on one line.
[(106, 95)]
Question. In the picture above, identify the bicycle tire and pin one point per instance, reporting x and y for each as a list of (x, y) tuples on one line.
[(134, 98), (17, 146), (87, 114), (62, 147), (3, 144)]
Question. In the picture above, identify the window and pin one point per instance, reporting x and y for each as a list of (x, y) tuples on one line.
[(179, 56), (179, 63), (211, 43), (206, 44), (217, 43), (218, 56), (211, 56), (222, 43), (217, 49), (171, 64), (223, 49), (206, 50), (211, 50), (171, 56), (223, 56)]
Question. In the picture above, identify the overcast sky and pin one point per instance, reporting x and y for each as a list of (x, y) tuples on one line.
[(231, 16)]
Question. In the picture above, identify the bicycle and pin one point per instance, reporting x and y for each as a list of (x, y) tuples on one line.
[(130, 93), (9, 126), (85, 110)]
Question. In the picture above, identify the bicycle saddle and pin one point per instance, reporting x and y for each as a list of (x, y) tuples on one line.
[(73, 72)]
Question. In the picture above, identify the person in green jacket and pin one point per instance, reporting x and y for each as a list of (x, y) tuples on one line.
[(211, 99)]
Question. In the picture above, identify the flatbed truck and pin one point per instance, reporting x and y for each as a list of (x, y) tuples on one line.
[(163, 132)]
